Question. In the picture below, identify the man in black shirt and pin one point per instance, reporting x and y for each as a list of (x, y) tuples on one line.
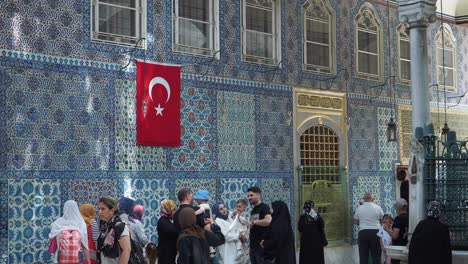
[(185, 197), (260, 220), (399, 232)]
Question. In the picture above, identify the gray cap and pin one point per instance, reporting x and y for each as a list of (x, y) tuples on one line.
[(400, 202)]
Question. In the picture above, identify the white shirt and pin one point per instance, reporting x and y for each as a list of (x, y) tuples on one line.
[(386, 238), (369, 215)]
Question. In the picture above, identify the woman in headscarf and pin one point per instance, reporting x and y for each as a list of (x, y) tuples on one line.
[(430, 242), (88, 212), (70, 231), (113, 245), (231, 250), (279, 242), (311, 227), (127, 214), (167, 233), (194, 242)]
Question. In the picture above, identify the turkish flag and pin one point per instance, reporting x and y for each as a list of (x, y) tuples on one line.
[(158, 104)]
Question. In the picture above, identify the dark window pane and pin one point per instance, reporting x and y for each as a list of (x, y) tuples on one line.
[(260, 45), (125, 3), (195, 9), (259, 20), (367, 41), (404, 49), (116, 20), (318, 55), (368, 63), (194, 34), (317, 31), (405, 70)]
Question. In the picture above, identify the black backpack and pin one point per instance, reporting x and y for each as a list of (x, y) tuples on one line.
[(136, 253)]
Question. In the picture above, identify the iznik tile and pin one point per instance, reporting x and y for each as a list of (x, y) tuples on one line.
[(90, 191), (148, 193), (198, 145), (236, 131), (388, 151), (235, 189), (130, 156), (197, 184), (33, 206)]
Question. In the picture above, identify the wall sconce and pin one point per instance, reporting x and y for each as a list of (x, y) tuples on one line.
[(444, 133), (391, 130)]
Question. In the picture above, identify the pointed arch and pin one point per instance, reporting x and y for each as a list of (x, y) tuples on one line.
[(404, 60), (319, 36), (368, 40), (446, 58)]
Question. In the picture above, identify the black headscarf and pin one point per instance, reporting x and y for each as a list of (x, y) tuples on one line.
[(282, 234), (433, 209)]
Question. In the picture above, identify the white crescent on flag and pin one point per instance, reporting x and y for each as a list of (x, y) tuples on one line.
[(163, 82)]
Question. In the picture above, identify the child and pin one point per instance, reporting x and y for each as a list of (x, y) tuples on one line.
[(385, 239), (203, 211)]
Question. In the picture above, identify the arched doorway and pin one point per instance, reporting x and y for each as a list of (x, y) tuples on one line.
[(323, 180)]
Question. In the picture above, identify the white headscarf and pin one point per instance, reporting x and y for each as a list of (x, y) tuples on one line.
[(71, 220)]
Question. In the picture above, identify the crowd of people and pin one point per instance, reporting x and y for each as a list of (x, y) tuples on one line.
[(190, 233), (430, 241)]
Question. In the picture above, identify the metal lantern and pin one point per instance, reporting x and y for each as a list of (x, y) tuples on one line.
[(391, 130), (444, 133)]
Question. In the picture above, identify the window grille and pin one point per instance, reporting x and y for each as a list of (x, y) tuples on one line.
[(195, 29), (404, 62), (319, 36), (368, 44), (323, 180), (260, 31), (448, 60), (119, 21)]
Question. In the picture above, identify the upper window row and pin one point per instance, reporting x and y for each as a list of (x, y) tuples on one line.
[(196, 31)]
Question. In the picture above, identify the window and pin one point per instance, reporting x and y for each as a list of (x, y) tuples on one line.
[(195, 27), (319, 36), (119, 21), (447, 58), (368, 44), (260, 31), (404, 62)]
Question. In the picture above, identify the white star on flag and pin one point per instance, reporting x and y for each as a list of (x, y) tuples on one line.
[(159, 110)]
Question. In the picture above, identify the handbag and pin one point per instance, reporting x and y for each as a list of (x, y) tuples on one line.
[(136, 253), (52, 246)]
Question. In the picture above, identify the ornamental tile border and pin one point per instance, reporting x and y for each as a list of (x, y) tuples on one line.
[(36, 57), (120, 175)]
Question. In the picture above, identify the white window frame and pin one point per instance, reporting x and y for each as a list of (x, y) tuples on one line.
[(403, 36), (276, 34), (368, 9), (450, 45), (326, 7), (213, 40), (140, 25)]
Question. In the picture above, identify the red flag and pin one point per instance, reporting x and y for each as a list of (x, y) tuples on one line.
[(158, 104)]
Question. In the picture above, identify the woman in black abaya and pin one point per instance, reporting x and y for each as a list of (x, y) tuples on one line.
[(313, 238), (279, 242), (431, 239)]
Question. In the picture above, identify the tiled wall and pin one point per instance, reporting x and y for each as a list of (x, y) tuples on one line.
[(67, 122)]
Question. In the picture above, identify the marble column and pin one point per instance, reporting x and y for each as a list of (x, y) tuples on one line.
[(418, 14)]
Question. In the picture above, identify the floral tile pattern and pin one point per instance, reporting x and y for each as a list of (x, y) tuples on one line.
[(128, 155), (236, 131), (235, 189), (148, 193), (33, 206)]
